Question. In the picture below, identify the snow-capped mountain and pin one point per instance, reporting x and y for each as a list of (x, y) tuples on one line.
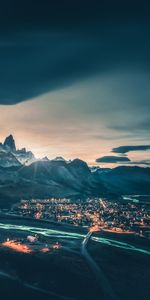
[(7, 159), (10, 156), (25, 157), (59, 178), (59, 158)]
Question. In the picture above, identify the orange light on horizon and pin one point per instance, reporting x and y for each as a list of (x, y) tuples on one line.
[(94, 228), (118, 230)]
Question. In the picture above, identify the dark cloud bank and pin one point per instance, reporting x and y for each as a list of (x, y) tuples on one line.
[(113, 159), (124, 159), (121, 160), (126, 149), (47, 45)]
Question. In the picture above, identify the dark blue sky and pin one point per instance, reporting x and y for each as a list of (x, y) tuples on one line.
[(93, 55), (45, 45)]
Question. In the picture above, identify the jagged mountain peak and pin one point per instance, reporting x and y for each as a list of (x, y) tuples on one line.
[(21, 155), (79, 163), (45, 158), (59, 158), (9, 143)]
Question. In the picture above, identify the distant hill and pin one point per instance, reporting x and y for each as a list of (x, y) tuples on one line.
[(59, 178), (126, 180)]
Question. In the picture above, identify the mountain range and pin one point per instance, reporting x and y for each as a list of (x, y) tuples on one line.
[(24, 176), (10, 156)]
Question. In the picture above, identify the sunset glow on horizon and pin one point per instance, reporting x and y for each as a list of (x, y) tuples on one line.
[(50, 130)]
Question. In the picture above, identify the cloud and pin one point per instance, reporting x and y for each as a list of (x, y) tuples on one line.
[(73, 13), (92, 62), (113, 159), (140, 162), (67, 43), (126, 149), (122, 160)]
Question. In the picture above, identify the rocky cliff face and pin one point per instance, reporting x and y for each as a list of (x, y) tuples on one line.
[(13, 156), (9, 143)]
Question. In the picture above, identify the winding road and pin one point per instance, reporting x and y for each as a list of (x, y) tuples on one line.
[(98, 273)]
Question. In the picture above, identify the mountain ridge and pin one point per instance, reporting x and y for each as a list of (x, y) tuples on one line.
[(59, 178)]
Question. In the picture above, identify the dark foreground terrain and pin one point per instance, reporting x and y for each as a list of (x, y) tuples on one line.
[(52, 265)]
